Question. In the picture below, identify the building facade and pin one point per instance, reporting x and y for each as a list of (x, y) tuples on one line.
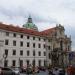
[(21, 46), (72, 58)]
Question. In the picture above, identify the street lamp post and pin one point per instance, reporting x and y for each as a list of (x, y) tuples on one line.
[(4, 56), (1, 56), (34, 63)]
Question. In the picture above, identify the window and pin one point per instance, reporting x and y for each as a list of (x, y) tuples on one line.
[(28, 53), (44, 46), (44, 39), (28, 37), (33, 52), (14, 35), (14, 52), (68, 47), (33, 38), (49, 47), (39, 53), (21, 52), (39, 45), (27, 62), (7, 33), (21, 63), (28, 44), (45, 63), (6, 42), (21, 43), (21, 36), (49, 56), (39, 39), (28, 24), (44, 53), (14, 43), (13, 62), (33, 45), (6, 51), (61, 45), (33, 63), (39, 62), (49, 40)]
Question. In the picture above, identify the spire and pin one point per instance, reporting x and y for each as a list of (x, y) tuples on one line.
[(29, 19), (29, 16)]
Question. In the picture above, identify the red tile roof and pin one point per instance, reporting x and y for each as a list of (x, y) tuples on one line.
[(49, 32), (26, 31)]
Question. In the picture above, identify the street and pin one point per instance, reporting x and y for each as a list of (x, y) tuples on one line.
[(41, 73)]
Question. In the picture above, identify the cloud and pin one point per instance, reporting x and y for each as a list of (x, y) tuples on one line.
[(45, 13)]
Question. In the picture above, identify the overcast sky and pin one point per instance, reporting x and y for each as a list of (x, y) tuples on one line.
[(45, 13)]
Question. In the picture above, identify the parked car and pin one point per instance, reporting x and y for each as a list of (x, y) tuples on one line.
[(23, 69), (42, 68), (6, 71), (16, 70), (61, 72), (29, 70)]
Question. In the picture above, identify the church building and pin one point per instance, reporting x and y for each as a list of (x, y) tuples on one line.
[(21, 46)]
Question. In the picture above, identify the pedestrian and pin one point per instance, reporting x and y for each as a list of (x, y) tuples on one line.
[(70, 70), (55, 71)]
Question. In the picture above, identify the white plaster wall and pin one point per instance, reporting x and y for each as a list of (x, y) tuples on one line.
[(16, 57)]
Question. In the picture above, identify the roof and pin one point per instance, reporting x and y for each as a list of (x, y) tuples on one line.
[(26, 31), (30, 24), (49, 31)]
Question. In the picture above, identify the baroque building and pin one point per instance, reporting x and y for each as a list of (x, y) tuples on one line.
[(21, 46)]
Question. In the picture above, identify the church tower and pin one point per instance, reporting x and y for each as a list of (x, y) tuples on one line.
[(30, 24)]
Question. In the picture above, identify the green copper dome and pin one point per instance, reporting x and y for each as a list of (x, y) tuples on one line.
[(30, 25)]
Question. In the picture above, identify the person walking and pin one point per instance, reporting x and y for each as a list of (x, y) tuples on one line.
[(71, 70)]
